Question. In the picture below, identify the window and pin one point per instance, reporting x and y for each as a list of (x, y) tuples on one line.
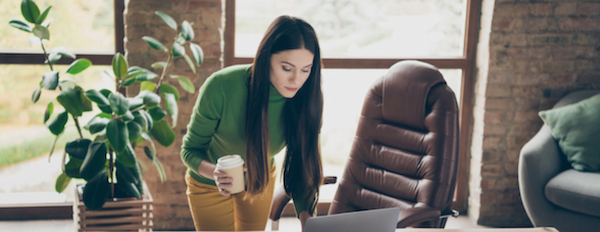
[(87, 28), (359, 41)]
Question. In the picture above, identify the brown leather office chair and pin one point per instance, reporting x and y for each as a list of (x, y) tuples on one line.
[(405, 152)]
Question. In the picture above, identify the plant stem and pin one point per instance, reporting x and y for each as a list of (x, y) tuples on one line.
[(46, 55), (78, 127), (111, 168), (162, 75)]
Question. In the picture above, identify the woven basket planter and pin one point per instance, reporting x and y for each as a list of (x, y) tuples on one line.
[(119, 214)]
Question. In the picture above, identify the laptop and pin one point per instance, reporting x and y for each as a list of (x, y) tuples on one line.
[(377, 220)]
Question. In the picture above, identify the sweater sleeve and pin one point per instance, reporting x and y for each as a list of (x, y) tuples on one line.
[(203, 123)]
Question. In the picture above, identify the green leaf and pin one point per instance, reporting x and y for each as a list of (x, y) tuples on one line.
[(185, 83), (78, 65), (96, 191), (20, 24), (119, 66), (133, 72), (128, 82), (168, 88), (171, 107), (57, 125), (178, 50), (150, 98), (187, 31), (154, 43), (94, 161), (47, 23), (148, 119), (72, 167), (49, 110), (117, 134), (30, 10), (63, 52), (35, 96), (74, 101), (127, 156), (160, 169), (53, 146), (159, 65), (78, 148), (197, 53), (50, 80), (190, 63), (129, 174), (180, 40), (127, 117), (161, 131), (67, 82), (96, 124), (141, 121), (41, 32), (53, 58), (157, 113), (135, 130), (148, 86), (151, 153), (165, 17), (97, 97), (40, 19), (62, 182), (135, 103), (118, 103), (146, 76), (128, 189)]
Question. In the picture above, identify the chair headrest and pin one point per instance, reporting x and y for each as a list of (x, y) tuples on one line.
[(405, 88)]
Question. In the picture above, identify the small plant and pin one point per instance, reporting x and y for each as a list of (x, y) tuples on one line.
[(107, 161)]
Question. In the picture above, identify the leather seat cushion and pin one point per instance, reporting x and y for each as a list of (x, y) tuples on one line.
[(576, 191)]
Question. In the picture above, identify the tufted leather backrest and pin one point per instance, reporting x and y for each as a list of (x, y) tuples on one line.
[(405, 152)]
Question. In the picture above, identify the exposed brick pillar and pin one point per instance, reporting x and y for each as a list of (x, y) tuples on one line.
[(171, 211), (530, 53)]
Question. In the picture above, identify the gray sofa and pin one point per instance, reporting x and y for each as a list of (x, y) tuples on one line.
[(553, 193)]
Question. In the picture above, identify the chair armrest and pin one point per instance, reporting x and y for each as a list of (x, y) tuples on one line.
[(280, 198), (413, 216)]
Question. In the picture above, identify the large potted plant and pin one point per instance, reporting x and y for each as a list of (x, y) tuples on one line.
[(107, 160)]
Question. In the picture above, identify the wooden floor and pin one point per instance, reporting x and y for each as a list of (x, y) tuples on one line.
[(286, 224)]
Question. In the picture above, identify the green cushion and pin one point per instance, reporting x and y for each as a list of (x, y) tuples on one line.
[(577, 129)]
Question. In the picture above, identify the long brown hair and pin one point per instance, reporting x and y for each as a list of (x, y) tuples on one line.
[(302, 114)]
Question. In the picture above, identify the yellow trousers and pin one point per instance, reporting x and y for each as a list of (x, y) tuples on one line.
[(212, 211)]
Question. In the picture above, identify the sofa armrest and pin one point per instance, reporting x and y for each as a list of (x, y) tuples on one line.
[(540, 160)]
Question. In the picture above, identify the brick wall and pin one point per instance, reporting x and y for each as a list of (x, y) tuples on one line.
[(529, 54), (171, 211)]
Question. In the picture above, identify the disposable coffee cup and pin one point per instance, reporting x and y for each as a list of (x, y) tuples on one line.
[(233, 165)]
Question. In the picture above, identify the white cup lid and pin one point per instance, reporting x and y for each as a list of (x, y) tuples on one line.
[(230, 161)]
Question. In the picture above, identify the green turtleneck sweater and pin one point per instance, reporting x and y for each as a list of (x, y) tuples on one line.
[(217, 124)]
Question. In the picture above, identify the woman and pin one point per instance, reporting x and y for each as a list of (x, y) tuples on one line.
[(255, 111)]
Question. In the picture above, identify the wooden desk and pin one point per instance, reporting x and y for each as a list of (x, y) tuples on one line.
[(538, 229)]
